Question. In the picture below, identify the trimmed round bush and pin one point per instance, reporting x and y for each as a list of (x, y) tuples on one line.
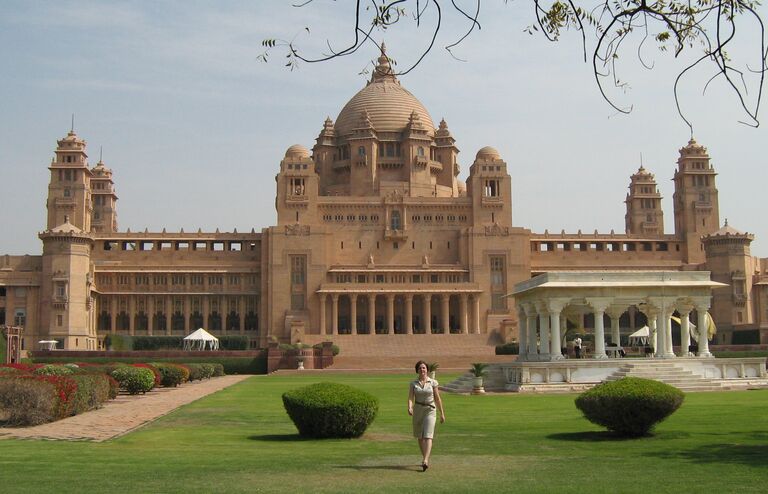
[(630, 406), (208, 370), (158, 376), (218, 370), (53, 370), (198, 372), (171, 374), (135, 380), (92, 391), (27, 401), (326, 410)]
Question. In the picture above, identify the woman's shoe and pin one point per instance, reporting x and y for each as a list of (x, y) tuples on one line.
[(424, 467)]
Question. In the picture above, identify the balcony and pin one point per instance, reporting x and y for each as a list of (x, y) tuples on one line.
[(390, 234)]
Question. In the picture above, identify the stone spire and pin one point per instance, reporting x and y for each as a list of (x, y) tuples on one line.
[(383, 70)]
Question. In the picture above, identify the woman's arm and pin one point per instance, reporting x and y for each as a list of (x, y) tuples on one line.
[(439, 402), (410, 400)]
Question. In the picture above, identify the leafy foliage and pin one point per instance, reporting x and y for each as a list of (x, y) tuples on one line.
[(478, 369), (53, 370), (508, 349), (326, 410), (630, 406), (172, 374), (134, 380)]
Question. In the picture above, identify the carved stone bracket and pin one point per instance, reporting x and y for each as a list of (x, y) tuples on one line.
[(297, 229)]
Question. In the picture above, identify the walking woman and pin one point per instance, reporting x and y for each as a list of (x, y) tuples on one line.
[(423, 398)]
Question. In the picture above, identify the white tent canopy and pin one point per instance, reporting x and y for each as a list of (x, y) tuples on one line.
[(47, 344), (640, 337), (201, 340)]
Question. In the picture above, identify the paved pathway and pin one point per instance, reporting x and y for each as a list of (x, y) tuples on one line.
[(123, 414)]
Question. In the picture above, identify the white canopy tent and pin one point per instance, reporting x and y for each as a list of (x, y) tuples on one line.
[(640, 337), (201, 340), (47, 344)]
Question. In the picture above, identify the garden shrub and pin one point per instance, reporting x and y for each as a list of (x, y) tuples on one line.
[(172, 374), (325, 410), (155, 372), (53, 370), (630, 406), (92, 392), (134, 380), (334, 348), (233, 342), (27, 401), (9, 370), (218, 370), (508, 349), (232, 365), (196, 371), (208, 370)]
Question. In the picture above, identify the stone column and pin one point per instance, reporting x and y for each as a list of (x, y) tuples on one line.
[(206, 310), (390, 314), (335, 314), (353, 313), (522, 324), (614, 314), (685, 329), (241, 313), (533, 350), (660, 346), (372, 313), (463, 304), (323, 325), (701, 310), (544, 331), (409, 313), (669, 351), (131, 314), (598, 306), (555, 307), (187, 311), (427, 313), (476, 315), (112, 314), (445, 304)]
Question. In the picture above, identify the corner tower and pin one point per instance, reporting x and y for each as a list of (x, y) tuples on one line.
[(644, 215), (697, 212), (69, 189), (104, 199)]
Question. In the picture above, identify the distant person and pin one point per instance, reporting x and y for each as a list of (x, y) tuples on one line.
[(423, 398), (577, 347)]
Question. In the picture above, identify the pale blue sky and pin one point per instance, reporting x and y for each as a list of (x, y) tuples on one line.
[(194, 127)]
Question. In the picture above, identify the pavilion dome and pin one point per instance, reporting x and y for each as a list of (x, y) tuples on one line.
[(488, 153), (388, 105)]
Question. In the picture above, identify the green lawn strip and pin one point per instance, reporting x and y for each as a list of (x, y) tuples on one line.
[(241, 440)]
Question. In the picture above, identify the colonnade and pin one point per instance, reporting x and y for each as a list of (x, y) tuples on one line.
[(468, 312), (109, 304), (542, 324)]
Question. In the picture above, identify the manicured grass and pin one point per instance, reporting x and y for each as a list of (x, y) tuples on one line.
[(241, 440)]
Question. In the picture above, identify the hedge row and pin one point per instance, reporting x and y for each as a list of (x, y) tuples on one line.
[(127, 343), (508, 349), (231, 365)]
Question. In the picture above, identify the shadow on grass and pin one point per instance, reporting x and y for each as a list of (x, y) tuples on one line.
[(281, 438), (406, 468), (751, 455), (591, 436)]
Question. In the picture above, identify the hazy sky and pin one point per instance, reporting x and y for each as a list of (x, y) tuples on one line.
[(194, 126)]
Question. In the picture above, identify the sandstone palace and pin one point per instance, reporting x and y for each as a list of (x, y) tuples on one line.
[(374, 236)]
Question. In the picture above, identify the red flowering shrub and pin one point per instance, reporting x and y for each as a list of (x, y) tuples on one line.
[(92, 392), (23, 367)]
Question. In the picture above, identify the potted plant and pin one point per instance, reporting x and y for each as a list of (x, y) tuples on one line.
[(432, 369), (479, 372)]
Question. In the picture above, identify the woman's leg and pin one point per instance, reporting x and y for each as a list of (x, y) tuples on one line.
[(427, 449)]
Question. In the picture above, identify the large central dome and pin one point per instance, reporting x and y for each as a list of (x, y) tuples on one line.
[(389, 105)]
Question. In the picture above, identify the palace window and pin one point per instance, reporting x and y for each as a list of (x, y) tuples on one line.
[(361, 151), (20, 317), (498, 301), (395, 220), (491, 188), (298, 281)]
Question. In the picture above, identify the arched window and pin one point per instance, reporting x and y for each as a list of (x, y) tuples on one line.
[(361, 151), (420, 151), (395, 220)]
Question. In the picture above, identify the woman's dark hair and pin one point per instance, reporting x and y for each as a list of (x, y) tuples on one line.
[(419, 363)]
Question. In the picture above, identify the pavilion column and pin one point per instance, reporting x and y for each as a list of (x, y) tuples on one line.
[(614, 314), (463, 303), (669, 351), (206, 310), (555, 307), (335, 314), (544, 347), (701, 311), (660, 346), (685, 330), (372, 313), (353, 313), (322, 298), (598, 306), (428, 313), (131, 314), (390, 313), (445, 304), (187, 310), (409, 313), (476, 313), (533, 349), (522, 324)]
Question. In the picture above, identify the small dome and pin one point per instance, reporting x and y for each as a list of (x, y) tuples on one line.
[(66, 227), (728, 230), (488, 153), (297, 151)]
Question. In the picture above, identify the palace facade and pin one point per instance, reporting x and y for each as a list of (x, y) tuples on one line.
[(374, 235)]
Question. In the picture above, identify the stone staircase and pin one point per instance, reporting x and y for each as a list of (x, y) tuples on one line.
[(667, 372), (494, 380)]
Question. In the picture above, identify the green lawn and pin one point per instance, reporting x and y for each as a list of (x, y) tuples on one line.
[(241, 440)]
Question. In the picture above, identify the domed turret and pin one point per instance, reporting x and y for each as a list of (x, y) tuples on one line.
[(297, 151), (488, 153)]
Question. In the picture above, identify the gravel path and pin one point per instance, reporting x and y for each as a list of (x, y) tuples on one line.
[(123, 414)]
